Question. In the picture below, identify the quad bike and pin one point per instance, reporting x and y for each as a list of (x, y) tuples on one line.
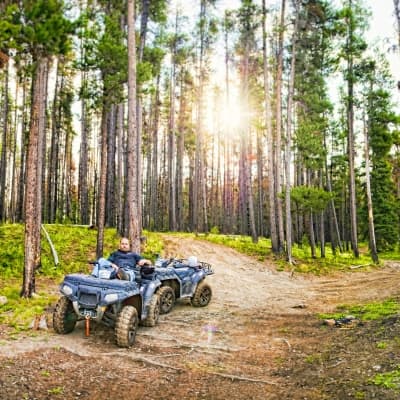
[(182, 278), (121, 304)]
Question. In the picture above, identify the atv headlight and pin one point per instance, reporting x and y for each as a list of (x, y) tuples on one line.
[(67, 290), (111, 297)]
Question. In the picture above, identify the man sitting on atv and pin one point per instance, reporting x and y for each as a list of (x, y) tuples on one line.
[(123, 258)]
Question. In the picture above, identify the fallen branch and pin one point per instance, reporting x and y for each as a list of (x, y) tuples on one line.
[(336, 364), (162, 365), (143, 360), (53, 249), (359, 266), (169, 355), (286, 341), (241, 378)]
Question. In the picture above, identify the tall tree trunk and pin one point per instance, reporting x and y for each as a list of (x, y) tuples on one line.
[(350, 139), (67, 173), (3, 159), (139, 112), (312, 234), (14, 169), (335, 233), (260, 189), (101, 207), (83, 189), (54, 149), (199, 187), (171, 140), (397, 15), (133, 152), (41, 161), (21, 178), (111, 149), (270, 142), (371, 225), (119, 188), (228, 189), (33, 178), (154, 168), (248, 203), (180, 154), (278, 94), (289, 141)]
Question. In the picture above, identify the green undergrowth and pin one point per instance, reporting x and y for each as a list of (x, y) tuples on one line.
[(19, 313), (388, 380), (303, 261), (243, 244), (366, 312), (344, 261), (75, 247)]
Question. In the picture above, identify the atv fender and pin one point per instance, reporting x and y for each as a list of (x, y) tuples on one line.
[(147, 291), (198, 276)]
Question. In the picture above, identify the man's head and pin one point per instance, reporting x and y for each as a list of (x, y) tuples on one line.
[(124, 244)]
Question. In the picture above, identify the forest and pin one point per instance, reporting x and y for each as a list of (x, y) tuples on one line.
[(115, 114)]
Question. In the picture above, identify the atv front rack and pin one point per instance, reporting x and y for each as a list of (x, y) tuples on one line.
[(183, 262)]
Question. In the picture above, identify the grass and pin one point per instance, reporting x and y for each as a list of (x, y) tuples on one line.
[(18, 313), (304, 262), (389, 380), (75, 246), (366, 312)]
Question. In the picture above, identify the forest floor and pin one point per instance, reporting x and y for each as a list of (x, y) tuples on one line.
[(259, 338)]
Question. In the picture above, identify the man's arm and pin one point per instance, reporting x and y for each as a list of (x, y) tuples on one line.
[(143, 261)]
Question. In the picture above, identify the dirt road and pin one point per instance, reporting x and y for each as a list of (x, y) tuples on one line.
[(238, 347)]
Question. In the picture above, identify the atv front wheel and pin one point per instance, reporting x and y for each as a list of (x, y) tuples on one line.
[(64, 317), (202, 295), (153, 313), (126, 326), (167, 299)]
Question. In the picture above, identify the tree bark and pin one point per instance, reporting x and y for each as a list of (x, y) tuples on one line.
[(154, 168), (350, 140), (111, 149), (278, 94), (119, 188), (397, 15), (270, 142), (133, 152), (33, 178), (180, 154), (371, 225), (101, 207), (3, 159), (171, 138), (21, 177), (289, 141), (52, 182), (83, 191)]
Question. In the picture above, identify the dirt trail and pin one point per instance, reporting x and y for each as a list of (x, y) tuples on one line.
[(230, 345), (240, 286)]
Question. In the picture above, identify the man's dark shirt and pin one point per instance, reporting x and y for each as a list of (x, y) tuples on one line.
[(124, 258)]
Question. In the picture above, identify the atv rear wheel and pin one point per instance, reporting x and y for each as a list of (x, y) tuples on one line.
[(202, 295), (167, 299), (64, 316), (126, 326), (153, 313)]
